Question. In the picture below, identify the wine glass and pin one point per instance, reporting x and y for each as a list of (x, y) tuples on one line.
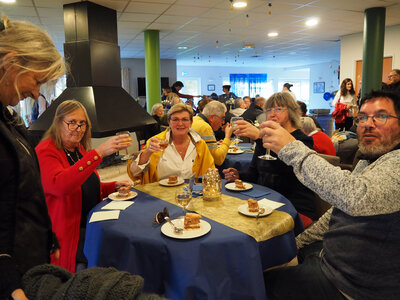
[(234, 119), (126, 156), (163, 144), (183, 197), (267, 156)]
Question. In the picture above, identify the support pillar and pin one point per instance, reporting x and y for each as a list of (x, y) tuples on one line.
[(152, 67), (374, 37)]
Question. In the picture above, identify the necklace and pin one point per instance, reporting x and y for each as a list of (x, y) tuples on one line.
[(68, 153)]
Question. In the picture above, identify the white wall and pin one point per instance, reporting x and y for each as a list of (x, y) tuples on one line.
[(137, 69), (352, 50)]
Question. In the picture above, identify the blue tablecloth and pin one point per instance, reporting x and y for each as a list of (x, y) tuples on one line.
[(223, 264), (240, 162)]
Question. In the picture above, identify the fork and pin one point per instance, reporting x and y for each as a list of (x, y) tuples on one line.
[(176, 229)]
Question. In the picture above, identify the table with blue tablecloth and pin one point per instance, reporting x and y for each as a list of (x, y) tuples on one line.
[(226, 263), (240, 161)]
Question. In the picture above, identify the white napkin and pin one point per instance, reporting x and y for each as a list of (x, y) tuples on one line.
[(120, 205), (270, 203), (104, 215)]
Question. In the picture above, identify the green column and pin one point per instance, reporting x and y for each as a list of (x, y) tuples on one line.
[(374, 36), (152, 66)]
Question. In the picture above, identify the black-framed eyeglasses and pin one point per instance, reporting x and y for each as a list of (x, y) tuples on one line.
[(276, 109), (72, 125), (378, 119)]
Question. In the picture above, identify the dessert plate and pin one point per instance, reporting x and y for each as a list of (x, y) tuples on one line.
[(244, 209), (232, 151), (114, 196), (164, 182), (231, 186), (168, 230)]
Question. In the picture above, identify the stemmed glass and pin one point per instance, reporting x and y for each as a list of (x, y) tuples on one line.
[(163, 144), (183, 197), (234, 119), (267, 156), (126, 156)]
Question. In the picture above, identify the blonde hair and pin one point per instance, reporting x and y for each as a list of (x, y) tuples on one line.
[(32, 49), (285, 99), (179, 107), (64, 109)]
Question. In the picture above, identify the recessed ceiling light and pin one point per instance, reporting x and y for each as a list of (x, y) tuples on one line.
[(312, 22), (7, 1), (273, 34), (239, 3), (182, 47)]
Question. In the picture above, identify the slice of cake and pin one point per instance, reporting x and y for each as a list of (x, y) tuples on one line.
[(123, 192), (192, 221), (239, 184), (253, 205), (172, 179)]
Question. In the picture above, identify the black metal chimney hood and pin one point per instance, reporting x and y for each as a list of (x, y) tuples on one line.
[(91, 48)]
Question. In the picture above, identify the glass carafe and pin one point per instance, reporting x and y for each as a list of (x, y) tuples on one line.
[(211, 185)]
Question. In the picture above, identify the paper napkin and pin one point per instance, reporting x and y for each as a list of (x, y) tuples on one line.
[(121, 205), (255, 193), (270, 203), (104, 215)]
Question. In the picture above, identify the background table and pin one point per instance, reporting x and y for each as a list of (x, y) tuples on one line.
[(223, 264), (240, 162)]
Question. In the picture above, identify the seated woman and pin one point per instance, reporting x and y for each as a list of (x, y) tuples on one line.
[(71, 184), (275, 174), (185, 154), (322, 142)]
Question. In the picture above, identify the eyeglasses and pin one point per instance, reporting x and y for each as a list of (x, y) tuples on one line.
[(276, 109), (184, 121), (72, 125), (392, 75), (378, 119)]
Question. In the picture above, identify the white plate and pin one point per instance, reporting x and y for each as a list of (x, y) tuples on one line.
[(164, 182), (244, 209), (168, 230), (114, 196), (230, 151), (231, 186)]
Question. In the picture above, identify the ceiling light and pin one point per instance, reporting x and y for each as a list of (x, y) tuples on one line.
[(312, 22), (182, 47), (273, 34), (238, 3), (7, 1)]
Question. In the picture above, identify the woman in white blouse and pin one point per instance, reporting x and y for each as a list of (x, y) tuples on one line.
[(346, 95), (185, 154)]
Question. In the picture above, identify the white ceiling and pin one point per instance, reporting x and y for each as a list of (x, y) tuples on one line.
[(199, 24)]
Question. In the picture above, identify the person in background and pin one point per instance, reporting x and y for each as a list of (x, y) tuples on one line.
[(165, 92), (176, 87), (38, 107), (346, 95), (240, 107), (303, 109), (247, 101), (286, 88), (157, 112), (70, 180), (322, 142), (202, 103), (185, 154), (394, 81), (227, 94), (214, 96), (359, 257), (28, 58), (210, 120), (283, 109), (254, 110)]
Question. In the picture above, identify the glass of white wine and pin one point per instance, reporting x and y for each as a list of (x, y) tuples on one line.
[(183, 197), (126, 156), (233, 120), (267, 156)]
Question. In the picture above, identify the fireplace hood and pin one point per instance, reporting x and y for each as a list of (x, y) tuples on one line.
[(92, 51)]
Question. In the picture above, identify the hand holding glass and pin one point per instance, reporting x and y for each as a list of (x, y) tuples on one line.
[(233, 120), (267, 156), (183, 197), (126, 156), (163, 144)]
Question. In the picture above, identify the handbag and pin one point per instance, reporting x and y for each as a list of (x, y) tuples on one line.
[(340, 112)]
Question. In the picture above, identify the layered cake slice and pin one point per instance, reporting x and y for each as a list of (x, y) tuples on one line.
[(192, 221)]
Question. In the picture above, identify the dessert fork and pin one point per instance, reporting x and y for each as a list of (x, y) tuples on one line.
[(176, 229)]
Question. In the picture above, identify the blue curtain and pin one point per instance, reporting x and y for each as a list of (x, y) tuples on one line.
[(247, 84)]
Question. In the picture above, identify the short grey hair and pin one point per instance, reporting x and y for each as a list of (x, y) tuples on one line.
[(285, 99), (155, 108), (214, 108), (238, 102), (308, 125)]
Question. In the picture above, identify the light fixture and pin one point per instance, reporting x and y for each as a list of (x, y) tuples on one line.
[(7, 1), (238, 3), (273, 34), (312, 22), (182, 47)]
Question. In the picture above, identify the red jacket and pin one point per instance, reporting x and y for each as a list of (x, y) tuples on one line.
[(323, 143), (62, 186)]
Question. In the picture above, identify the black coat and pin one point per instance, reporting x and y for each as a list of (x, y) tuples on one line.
[(280, 177), (252, 112)]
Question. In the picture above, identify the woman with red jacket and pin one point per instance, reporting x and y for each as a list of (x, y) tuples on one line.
[(322, 142), (71, 184)]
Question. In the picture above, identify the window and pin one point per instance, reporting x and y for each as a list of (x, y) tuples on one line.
[(192, 86), (300, 88), (249, 84)]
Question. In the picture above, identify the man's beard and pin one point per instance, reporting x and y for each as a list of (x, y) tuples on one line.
[(375, 151)]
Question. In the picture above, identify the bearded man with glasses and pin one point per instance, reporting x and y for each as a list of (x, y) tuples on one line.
[(359, 256)]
